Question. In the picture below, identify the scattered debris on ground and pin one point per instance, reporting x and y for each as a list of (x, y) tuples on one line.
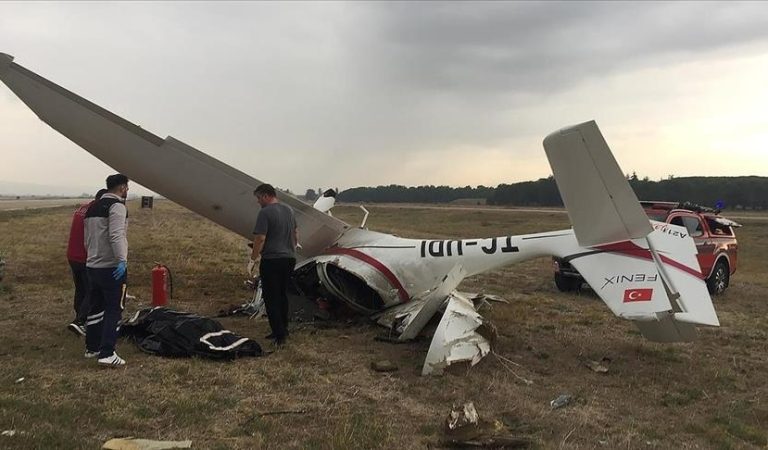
[(461, 416), (561, 401), (465, 429), (598, 366), (143, 444), (11, 433), (384, 365)]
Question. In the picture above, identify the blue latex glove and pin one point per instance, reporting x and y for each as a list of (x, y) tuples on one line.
[(119, 271)]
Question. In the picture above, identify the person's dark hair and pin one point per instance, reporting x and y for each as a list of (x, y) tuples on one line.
[(100, 193), (116, 180), (265, 189)]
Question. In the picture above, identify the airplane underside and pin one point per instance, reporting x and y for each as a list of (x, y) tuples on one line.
[(462, 334)]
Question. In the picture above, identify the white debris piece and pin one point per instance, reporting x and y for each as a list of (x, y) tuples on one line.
[(475, 297), (408, 319), (434, 301), (143, 444), (461, 416), (455, 339), (398, 317)]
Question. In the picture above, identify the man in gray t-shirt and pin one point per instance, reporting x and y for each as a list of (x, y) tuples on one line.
[(274, 253)]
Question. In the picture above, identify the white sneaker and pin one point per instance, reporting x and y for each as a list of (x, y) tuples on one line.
[(76, 328), (113, 360), (90, 354)]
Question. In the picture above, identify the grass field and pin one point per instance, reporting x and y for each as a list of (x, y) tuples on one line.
[(707, 394)]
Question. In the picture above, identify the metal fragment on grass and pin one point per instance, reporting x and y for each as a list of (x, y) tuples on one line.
[(143, 444), (456, 338), (595, 366), (560, 401), (462, 416), (384, 365)]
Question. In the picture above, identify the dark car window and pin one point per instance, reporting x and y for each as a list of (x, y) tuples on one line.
[(719, 229), (692, 224)]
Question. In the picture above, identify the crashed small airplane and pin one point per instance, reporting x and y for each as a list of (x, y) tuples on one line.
[(403, 283)]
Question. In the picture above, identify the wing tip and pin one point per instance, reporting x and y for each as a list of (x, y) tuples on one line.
[(568, 129), (5, 61)]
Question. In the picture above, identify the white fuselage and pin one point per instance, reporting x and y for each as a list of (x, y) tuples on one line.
[(401, 269)]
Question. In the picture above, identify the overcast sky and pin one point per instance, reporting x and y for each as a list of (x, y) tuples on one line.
[(362, 94)]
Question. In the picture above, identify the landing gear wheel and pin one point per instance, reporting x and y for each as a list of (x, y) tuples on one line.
[(720, 278), (566, 284)]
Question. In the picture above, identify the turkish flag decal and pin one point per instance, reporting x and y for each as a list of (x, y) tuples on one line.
[(638, 295)]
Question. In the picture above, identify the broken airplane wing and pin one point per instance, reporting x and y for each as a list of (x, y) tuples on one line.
[(168, 166)]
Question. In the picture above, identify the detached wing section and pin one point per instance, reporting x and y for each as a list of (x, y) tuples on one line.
[(167, 166), (602, 206)]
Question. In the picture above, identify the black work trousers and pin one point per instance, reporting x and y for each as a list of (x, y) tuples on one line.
[(107, 301), (275, 276), (82, 291)]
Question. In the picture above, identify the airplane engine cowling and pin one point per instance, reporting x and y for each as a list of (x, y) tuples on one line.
[(356, 284), (349, 288)]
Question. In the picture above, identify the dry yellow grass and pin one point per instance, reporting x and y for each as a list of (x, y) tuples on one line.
[(708, 394)]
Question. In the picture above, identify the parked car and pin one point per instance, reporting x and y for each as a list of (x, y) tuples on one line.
[(712, 233)]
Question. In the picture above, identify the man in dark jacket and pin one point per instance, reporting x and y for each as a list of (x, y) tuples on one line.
[(274, 253), (106, 244), (76, 256)]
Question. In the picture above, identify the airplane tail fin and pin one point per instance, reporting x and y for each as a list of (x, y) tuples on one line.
[(601, 204), (645, 273)]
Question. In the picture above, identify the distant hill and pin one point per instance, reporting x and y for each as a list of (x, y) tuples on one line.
[(13, 188), (421, 194), (735, 192)]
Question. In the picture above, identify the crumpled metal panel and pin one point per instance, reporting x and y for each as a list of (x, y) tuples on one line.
[(456, 339), (408, 319)]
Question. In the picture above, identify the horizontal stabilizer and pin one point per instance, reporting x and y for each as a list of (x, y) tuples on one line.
[(659, 287), (602, 206)]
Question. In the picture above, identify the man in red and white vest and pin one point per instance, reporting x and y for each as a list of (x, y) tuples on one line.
[(76, 254)]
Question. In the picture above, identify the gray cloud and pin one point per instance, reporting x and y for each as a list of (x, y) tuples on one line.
[(349, 93), (505, 48)]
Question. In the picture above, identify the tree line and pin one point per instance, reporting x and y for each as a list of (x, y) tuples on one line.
[(732, 192)]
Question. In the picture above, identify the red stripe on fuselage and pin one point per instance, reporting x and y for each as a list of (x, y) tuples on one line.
[(376, 264), (629, 248)]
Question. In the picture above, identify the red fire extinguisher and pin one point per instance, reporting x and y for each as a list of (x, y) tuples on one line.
[(162, 285)]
